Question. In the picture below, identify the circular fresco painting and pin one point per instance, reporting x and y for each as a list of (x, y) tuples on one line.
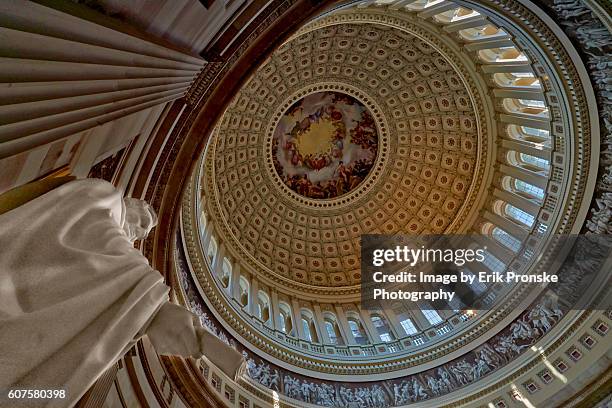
[(325, 145)]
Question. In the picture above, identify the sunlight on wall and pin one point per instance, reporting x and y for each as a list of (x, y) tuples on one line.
[(549, 365), (520, 397)]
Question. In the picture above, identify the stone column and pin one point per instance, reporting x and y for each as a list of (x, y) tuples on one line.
[(235, 283), (420, 320), (297, 319), (527, 148), (275, 310), (347, 334), (216, 266), (320, 325), (253, 289), (527, 176), (518, 201), (534, 122), (394, 324), (371, 331), (509, 226), (208, 232), (498, 250), (534, 95)]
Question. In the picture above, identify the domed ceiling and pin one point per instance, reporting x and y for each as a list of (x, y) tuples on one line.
[(385, 120), (347, 129)]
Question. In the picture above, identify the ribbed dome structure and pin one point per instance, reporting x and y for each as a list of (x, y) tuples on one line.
[(427, 134)]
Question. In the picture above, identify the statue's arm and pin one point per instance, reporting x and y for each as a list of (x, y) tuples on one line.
[(172, 332), (176, 331)]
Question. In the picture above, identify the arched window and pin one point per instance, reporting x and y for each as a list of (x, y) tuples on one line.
[(404, 315), (513, 213), (421, 4), (408, 326), (226, 272), (432, 316), (212, 250), (286, 323), (357, 329), (517, 80), (306, 328), (529, 107), (528, 162), (480, 33), (531, 190), (523, 189), (502, 55), (456, 304), (332, 329), (519, 215), (384, 332), (244, 292), (454, 15), (537, 162), (308, 324), (540, 133), (263, 306), (538, 138), (329, 328), (506, 239)]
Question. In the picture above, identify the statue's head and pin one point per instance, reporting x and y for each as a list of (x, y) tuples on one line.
[(140, 218)]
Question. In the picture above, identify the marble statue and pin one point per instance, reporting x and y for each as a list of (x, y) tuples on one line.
[(75, 294)]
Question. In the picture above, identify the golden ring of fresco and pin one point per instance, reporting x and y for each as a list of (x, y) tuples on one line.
[(325, 145)]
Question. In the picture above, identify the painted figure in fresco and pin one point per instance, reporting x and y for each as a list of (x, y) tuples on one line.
[(342, 178)]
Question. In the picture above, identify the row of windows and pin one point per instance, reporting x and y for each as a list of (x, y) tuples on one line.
[(528, 110), (262, 308), (285, 320), (537, 139), (330, 324)]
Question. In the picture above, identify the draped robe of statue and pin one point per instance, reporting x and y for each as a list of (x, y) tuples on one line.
[(75, 295)]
